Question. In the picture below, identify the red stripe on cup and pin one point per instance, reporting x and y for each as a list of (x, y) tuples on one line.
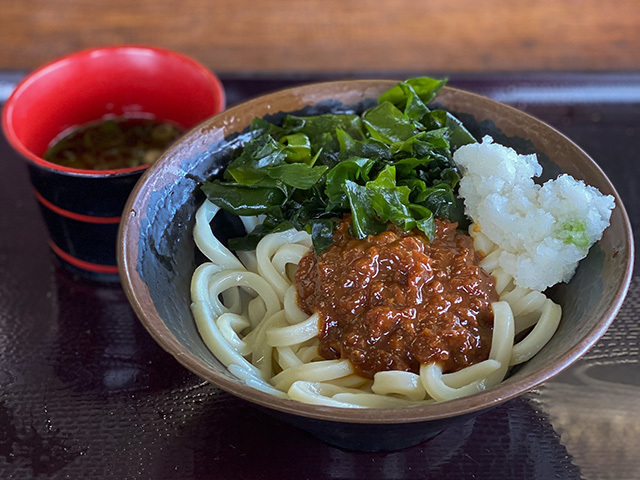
[(73, 215), (82, 264)]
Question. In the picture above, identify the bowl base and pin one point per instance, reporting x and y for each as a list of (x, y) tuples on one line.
[(379, 437)]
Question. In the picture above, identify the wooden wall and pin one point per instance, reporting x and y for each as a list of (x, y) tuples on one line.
[(271, 36)]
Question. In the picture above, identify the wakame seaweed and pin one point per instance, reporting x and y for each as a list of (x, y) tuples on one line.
[(392, 163)]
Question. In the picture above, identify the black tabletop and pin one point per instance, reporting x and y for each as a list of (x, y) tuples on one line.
[(86, 393)]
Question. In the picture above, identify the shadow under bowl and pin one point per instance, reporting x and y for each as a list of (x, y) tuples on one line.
[(157, 258)]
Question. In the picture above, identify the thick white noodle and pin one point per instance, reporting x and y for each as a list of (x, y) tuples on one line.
[(539, 336), (249, 377), (294, 334), (501, 341), (292, 311), (352, 381), (256, 310), (530, 308), (287, 358), (208, 243), (250, 222), (206, 287), (470, 374), (248, 316), (309, 353), (232, 299), (477, 377), (318, 393), (431, 378), (406, 384), (248, 259), (219, 282), (261, 350), (314, 372), (268, 247), (490, 262), (290, 255), (504, 281), (230, 326), (206, 323)]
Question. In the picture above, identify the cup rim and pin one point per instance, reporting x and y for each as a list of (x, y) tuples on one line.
[(25, 83)]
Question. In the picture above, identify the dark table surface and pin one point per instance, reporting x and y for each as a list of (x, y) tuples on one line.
[(86, 393)]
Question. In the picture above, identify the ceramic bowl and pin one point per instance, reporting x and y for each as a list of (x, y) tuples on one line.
[(157, 258)]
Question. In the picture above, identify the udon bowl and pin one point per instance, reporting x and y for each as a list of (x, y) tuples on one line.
[(157, 257)]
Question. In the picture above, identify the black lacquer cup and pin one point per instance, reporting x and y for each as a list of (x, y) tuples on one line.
[(82, 208)]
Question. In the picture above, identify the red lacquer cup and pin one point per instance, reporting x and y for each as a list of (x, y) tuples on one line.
[(82, 208)]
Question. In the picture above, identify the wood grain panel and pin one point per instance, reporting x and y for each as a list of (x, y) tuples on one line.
[(272, 36)]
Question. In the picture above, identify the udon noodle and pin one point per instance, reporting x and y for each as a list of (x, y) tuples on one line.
[(246, 312)]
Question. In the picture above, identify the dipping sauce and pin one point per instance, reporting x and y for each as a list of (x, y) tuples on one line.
[(394, 301), (113, 144)]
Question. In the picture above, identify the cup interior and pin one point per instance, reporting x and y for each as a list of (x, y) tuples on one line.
[(114, 81)]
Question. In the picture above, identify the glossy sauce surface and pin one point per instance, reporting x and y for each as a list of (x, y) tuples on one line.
[(394, 301)]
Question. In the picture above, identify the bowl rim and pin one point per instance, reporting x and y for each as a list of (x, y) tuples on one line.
[(138, 294)]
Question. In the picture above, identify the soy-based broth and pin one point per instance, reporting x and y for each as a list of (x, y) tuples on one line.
[(113, 144)]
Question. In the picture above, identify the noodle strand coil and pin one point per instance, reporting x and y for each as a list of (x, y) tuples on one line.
[(246, 311)]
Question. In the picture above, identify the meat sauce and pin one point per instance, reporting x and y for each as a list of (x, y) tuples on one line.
[(394, 301)]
